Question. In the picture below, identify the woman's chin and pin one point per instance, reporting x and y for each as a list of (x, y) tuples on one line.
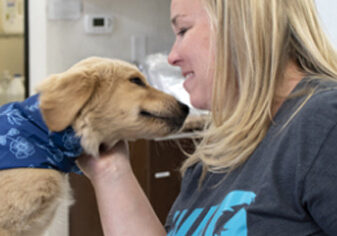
[(199, 103)]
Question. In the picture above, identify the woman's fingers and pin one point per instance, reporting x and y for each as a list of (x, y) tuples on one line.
[(108, 161)]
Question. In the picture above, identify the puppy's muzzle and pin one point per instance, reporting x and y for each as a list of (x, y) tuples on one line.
[(174, 118)]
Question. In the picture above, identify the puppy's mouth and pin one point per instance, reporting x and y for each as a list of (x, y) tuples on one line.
[(173, 121), (103, 148), (148, 114)]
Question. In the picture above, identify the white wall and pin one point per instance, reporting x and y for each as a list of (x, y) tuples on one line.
[(328, 14), (37, 43), (64, 42)]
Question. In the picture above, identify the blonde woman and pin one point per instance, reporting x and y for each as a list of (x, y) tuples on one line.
[(267, 163)]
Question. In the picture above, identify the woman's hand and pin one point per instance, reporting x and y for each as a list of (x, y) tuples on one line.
[(123, 206), (110, 165)]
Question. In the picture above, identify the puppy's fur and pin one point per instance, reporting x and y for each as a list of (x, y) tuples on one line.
[(104, 101)]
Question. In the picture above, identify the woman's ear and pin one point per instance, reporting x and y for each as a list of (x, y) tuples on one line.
[(63, 95)]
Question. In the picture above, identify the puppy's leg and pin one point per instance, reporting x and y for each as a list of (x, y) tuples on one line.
[(29, 199), (5, 232)]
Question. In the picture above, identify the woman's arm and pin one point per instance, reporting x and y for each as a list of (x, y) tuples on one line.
[(124, 209)]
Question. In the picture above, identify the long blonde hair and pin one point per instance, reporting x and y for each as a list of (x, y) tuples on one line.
[(255, 39)]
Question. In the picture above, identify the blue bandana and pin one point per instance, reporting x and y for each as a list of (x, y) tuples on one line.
[(25, 140)]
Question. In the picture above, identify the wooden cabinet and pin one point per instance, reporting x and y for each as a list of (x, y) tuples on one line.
[(84, 218), (156, 166)]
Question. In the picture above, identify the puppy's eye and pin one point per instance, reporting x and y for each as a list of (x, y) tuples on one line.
[(137, 81)]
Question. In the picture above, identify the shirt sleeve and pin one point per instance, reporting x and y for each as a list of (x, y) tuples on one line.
[(320, 186)]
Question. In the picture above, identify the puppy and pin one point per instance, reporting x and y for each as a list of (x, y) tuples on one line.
[(96, 103)]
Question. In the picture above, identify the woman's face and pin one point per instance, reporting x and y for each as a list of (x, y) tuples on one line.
[(192, 51)]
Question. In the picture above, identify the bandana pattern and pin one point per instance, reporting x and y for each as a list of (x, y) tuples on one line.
[(25, 140)]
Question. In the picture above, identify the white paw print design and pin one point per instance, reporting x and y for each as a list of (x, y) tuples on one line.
[(18, 146)]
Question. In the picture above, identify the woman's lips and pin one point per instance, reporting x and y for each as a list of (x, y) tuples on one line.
[(188, 80), (189, 74)]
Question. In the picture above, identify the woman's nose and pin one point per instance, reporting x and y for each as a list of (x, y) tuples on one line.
[(173, 57)]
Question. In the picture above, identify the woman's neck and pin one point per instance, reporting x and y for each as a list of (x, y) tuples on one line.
[(292, 76)]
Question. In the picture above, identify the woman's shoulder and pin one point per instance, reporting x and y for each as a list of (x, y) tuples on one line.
[(312, 107), (323, 88), (322, 103), (310, 117)]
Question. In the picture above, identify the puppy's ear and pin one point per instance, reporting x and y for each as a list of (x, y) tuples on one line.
[(63, 95)]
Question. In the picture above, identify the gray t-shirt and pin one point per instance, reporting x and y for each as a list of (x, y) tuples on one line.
[(288, 186)]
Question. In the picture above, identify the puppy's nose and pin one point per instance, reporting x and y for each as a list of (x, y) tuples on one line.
[(180, 115), (184, 108)]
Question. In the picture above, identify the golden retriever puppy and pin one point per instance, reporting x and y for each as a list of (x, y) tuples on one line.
[(95, 103)]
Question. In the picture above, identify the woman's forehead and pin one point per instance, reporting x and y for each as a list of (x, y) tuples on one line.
[(183, 9)]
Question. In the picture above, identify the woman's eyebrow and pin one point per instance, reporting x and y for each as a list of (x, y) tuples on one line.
[(175, 19)]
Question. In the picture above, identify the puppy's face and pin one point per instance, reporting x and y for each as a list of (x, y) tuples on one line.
[(108, 100)]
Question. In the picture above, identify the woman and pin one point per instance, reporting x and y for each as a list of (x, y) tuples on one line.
[(267, 161)]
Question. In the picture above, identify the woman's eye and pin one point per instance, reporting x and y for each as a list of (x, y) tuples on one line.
[(138, 81), (182, 31)]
